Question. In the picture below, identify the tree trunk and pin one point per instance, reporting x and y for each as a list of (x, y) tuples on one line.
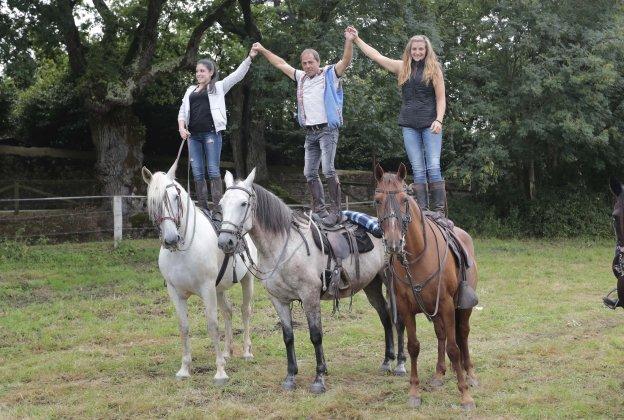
[(118, 137), (531, 179), (256, 156), (236, 131)]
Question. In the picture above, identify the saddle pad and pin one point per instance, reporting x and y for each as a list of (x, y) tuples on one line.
[(363, 241)]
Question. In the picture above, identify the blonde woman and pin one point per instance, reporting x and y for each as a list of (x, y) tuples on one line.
[(420, 78)]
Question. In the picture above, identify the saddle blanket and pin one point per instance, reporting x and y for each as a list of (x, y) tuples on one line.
[(368, 222)]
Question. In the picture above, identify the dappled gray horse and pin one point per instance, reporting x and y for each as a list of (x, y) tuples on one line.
[(189, 260), (291, 270)]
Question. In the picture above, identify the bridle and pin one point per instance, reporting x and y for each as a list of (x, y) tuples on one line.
[(175, 216), (405, 218), (237, 229)]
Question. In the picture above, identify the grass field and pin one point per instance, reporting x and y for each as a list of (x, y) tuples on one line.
[(88, 331)]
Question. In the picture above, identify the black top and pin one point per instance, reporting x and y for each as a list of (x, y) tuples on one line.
[(200, 119), (418, 109)]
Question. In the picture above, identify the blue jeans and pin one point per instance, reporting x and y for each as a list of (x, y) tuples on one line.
[(320, 150), (423, 149), (205, 150)]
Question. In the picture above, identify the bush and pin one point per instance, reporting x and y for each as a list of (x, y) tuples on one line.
[(553, 214)]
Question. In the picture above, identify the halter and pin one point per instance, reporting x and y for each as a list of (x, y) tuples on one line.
[(405, 218)]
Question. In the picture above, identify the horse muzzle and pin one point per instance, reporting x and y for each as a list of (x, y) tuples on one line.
[(171, 242), (394, 247), (228, 243)]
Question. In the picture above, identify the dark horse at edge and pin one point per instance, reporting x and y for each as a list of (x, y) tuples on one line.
[(618, 260)]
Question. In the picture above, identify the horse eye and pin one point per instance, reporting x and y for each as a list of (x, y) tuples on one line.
[(244, 204)]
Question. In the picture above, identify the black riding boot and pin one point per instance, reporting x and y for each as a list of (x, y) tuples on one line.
[(201, 191), (216, 188), (438, 197), (318, 198), (419, 192), (335, 197)]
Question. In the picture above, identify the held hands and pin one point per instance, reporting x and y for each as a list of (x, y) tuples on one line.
[(436, 127), (256, 48), (351, 33)]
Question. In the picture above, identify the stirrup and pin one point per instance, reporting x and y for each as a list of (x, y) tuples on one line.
[(609, 302), (467, 297)]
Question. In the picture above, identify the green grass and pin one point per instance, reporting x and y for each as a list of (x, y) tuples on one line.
[(88, 331)]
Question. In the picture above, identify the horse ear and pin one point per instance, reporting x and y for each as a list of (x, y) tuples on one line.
[(250, 178), (402, 171), (147, 175), (616, 186), (229, 179), (379, 172), (171, 172)]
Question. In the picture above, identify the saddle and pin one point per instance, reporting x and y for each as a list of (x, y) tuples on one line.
[(338, 242), (465, 298)]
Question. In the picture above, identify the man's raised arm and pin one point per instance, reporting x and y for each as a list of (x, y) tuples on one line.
[(276, 61), (344, 62)]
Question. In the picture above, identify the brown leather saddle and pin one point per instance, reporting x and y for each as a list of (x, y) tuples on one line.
[(338, 242)]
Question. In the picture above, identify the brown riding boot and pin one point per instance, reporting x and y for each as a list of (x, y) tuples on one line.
[(216, 188), (201, 191), (420, 194), (335, 197), (318, 198), (438, 197)]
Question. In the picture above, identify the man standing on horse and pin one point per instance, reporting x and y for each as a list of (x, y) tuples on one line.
[(319, 111)]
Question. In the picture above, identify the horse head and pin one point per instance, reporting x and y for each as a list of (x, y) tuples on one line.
[(393, 207), (237, 205), (618, 209), (166, 205)]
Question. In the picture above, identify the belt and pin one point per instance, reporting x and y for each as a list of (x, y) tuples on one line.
[(316, 127)]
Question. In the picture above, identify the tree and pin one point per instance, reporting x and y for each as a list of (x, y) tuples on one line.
[(112, 68)]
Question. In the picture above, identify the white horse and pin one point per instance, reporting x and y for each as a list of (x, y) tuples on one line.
[(290, 269), (189, 261)]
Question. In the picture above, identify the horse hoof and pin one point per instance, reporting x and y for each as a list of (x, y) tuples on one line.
[(414, 402), (289, 385), (400, 370), (436, 383), (183, 375), (317, 388), (221, 381), (473, 382), (385, 367), (469, 406), (248, 357)]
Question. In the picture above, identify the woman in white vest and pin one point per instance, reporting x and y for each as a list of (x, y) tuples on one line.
[(201, 119)]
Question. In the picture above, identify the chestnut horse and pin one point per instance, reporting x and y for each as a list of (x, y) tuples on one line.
[(426, 280)]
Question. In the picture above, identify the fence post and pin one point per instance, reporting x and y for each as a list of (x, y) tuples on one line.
[(117, 220), (347, 201), (16, 196)]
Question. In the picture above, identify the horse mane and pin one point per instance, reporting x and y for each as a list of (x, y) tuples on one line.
[(272, 214), (155, 194)]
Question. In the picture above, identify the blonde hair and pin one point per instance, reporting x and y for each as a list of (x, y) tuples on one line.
[(432, 66)]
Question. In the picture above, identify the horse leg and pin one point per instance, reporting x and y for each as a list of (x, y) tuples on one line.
[(400, 370), (375, 297), (181, 307), (413, 347), (312, 308), (447, 312), (463, 329), (209, 296), (438, 377), (248, 289), (285, 316), (226, 308)]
